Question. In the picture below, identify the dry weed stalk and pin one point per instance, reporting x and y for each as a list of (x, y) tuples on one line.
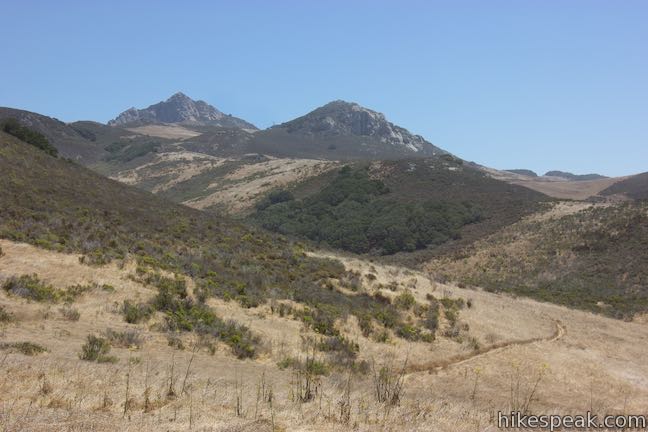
[(239, 396), (520, 398), (388, 382), (345, 402)]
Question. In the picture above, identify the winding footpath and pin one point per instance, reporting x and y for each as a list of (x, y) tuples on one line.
[(438, 366)]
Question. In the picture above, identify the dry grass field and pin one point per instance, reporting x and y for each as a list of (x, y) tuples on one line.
[(233, 184), (557, 187), (515, 354), (240, 189), (165, 131)]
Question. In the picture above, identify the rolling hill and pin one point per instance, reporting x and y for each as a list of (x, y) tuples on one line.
[(69, 142), (633, 187), (583, 255), (369, 205), (571, 187), (58, 205)]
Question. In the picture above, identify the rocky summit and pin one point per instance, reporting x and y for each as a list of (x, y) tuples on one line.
[(181, 109), (341, 118)]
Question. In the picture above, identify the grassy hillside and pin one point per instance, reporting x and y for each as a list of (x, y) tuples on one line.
[(593, 259), (68, 142), (58, 205), (634, 187)]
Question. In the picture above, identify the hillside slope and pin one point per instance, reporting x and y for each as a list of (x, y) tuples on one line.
[(391, 206), (554, 358), (633, 187), (582, 255), (58, 205), (69, 142)]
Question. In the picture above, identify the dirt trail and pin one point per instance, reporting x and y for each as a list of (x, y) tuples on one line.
[(437, 366)]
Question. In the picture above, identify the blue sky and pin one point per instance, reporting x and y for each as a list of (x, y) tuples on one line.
[(509, 84)]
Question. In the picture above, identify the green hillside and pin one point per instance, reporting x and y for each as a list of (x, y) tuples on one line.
[(397, 206), (59, 205)]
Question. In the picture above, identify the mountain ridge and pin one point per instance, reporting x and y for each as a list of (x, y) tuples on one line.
[(572, 176)]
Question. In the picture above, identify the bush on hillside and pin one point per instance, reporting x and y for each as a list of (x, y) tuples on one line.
[(23, 133)]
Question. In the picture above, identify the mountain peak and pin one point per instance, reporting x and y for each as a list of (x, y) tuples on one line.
[(341, 119), (179, 96), (179, 108), (340, 104)]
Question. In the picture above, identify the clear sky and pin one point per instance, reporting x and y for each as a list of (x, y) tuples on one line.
[(510, 84)]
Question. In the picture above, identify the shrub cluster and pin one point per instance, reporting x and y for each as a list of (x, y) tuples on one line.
[(32, 288), (26, 348), (96, 349), (23, 133), (352, 213)]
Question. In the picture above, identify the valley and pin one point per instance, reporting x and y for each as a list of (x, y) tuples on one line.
[(178, 268)]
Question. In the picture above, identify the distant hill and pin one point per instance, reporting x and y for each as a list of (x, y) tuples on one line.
[(68, 141), (583, 255), (524, 172), (181, 109), (575, 177), (342, 130), (635, 187)]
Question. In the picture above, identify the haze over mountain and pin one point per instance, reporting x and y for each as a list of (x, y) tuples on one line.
[(179, 108)]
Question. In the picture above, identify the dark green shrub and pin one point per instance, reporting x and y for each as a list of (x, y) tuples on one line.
[(431, 320), (32, 288), (96, 349), (72, 292), (5, 316), (366, 326), (344, 350), (26, 348), (409, 332), (136, 312), (23, 133), (275, 197), (405, 300)]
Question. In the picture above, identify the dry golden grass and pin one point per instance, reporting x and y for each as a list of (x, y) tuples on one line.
[(587, 362), (236, 191), (165, 131), (555, 186), (239, 190), (170, 169)]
